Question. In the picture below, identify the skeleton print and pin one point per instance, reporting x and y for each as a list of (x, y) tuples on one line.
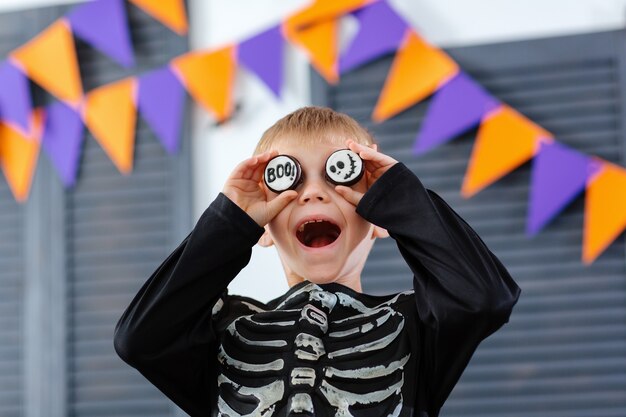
[(317, 353), (319, 350)]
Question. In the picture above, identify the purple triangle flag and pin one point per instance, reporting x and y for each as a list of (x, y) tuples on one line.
[(459, 105), (381, 31), (161, 102), (263, 55), (62, 140), (103, 24), (15, 101), (559, 174)]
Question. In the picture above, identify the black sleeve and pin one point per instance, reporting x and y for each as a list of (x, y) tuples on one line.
[(463, 292), (166, 332)]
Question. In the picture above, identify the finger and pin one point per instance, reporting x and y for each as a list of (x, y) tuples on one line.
[(267, 155), (372, 146), (370, 154), (240, 170), (259, 169), (247, 167), (353, 197), (375, 162), (276, 205)]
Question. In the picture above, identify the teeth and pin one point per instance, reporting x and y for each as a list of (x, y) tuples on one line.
[(301, 228)]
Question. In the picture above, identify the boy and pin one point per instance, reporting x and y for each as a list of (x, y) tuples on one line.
[(323, 348)]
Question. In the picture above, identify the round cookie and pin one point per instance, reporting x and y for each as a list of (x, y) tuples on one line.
[(344, 167), (282, 173)]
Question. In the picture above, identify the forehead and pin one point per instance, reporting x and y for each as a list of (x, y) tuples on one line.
[(312, 151), (311, 142)]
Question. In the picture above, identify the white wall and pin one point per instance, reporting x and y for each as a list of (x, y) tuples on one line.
[(459, 22), (443, 22), (217, 150)]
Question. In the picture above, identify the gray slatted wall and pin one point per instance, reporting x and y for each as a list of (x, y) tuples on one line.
[(11, 291), (563, 354), (119, 229), (15, 29), (110, 232)]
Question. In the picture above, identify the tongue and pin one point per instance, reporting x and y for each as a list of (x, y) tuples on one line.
[(320, 241)]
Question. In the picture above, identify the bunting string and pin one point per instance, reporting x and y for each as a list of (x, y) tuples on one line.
[(505, 138)]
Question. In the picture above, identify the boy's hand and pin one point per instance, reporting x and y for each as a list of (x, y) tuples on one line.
[(376, 164), (243, 187)]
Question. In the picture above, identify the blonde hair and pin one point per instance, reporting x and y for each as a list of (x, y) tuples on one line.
[(313, 125)]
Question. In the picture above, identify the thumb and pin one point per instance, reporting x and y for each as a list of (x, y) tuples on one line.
[(353, 197), (276, 205)]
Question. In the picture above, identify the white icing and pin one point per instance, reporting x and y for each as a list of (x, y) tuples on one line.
[(281, 173), (343, 166)]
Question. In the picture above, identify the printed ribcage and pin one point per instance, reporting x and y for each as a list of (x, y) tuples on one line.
[(293, 361)]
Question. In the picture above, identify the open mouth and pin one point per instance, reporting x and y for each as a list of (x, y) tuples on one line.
[(317, 233)]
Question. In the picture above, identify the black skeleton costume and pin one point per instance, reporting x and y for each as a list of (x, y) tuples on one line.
[(319, 350)]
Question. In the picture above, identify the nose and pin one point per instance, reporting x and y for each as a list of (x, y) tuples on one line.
[(314, 189)]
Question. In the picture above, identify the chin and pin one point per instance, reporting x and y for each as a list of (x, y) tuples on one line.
[(323, 279), (322, 275)]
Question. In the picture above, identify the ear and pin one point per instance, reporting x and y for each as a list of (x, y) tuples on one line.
[(266, 240), (379, 232)]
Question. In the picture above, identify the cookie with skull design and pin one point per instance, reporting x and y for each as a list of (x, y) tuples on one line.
[(344, 167)]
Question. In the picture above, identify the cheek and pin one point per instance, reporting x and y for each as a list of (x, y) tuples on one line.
[(360, 225)]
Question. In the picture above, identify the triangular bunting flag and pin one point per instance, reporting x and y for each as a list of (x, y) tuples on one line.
[(319, 42), (505, 140), (169, 12), (161, 103), (381, 30), (321, 10), (15, 102), (50, 60), (110, 114), (417, 71), (62, 140), (103, 24), (558, 175), (209, 78), (459, 105), (18, 155), (263, 55), (605, 210)]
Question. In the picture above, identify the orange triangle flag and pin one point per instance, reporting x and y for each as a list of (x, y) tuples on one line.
[(18, 155), (110, 114), (605, 210), (209, 78), (505, 140), (417, 71), (322, 10), (319, 41), (169, 12), (50, 60)]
